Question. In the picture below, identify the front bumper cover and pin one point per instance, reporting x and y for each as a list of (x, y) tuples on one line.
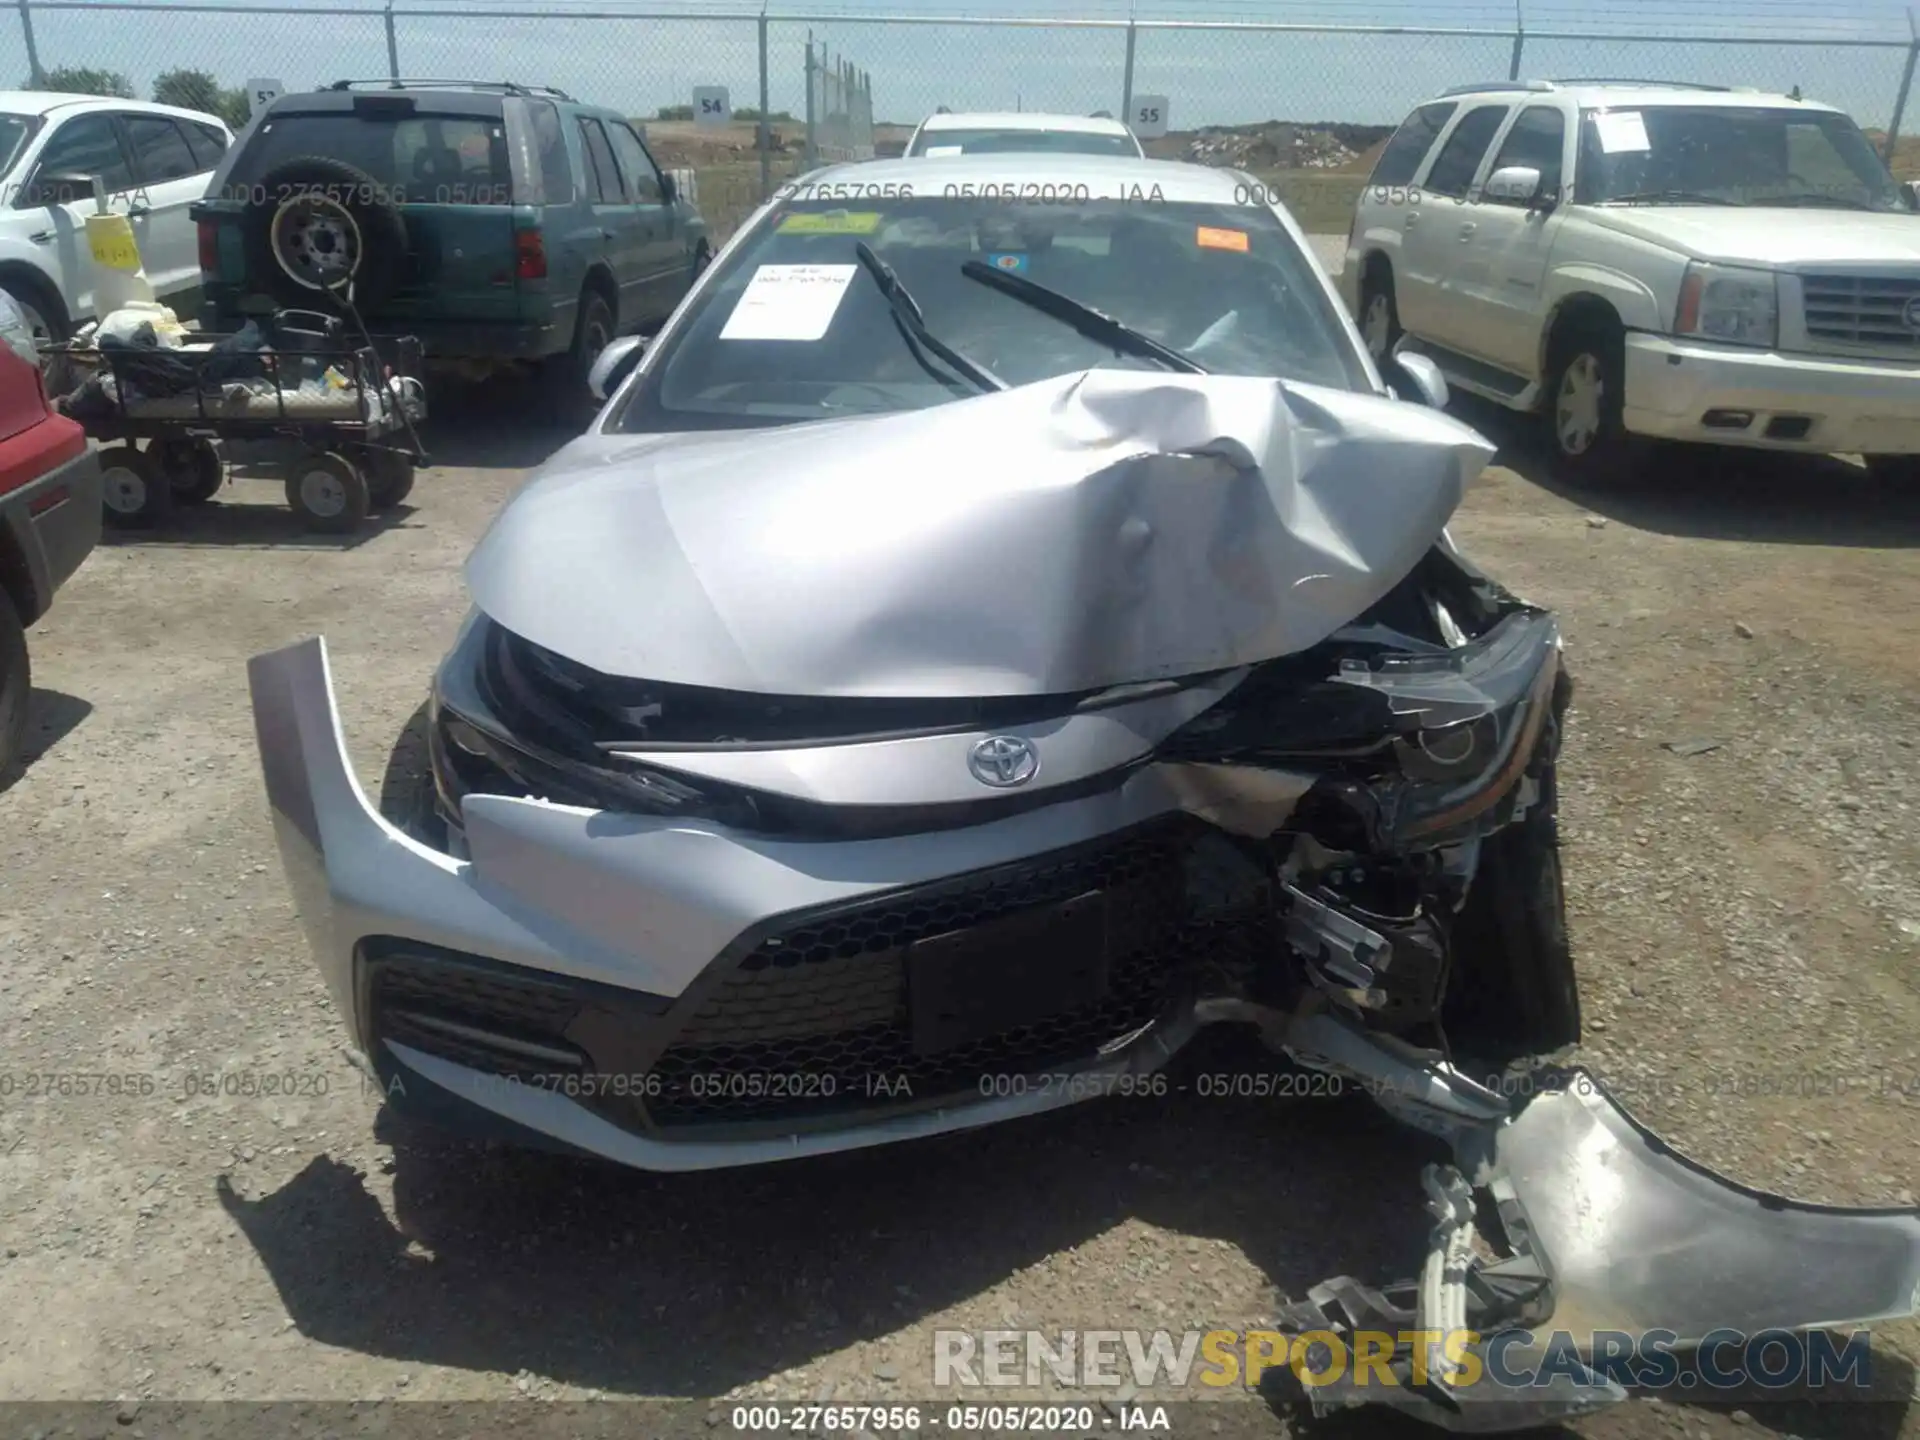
[(1605, 1228)]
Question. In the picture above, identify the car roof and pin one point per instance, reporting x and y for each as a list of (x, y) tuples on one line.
[(1023, 120), (47, 102), (1179, 182), (1639, 93)]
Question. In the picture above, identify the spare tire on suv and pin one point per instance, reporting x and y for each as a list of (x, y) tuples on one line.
[(320, 222)]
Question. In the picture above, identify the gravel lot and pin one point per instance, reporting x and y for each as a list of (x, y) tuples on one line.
[(1746, 914)]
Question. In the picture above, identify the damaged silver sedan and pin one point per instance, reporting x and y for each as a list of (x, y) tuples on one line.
[(1004, 624)]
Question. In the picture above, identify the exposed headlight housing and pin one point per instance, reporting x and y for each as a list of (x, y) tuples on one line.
[(1729, 303)]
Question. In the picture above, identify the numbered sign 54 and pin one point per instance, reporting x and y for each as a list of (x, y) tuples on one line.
[(1149, 117), (710, 105), (262, 93)]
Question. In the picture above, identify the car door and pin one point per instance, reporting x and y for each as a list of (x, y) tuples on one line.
[(621, 226), (85, 144), (667, 269), (170, 176), (1379, 216), (1431, 228), (1495, 297)]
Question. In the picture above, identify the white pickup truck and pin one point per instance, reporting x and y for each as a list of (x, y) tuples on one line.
[(1639, 259)]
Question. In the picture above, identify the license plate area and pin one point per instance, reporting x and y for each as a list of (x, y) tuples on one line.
[(1018, 970)]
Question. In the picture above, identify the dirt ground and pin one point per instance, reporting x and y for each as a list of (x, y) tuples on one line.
[(1747, 919)]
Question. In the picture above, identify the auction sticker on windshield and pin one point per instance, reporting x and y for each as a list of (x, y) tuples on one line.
[(1209, 238), (1622, 131), (788, 302), (832, 222)]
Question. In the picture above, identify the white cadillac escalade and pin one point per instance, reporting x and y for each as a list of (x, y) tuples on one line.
[(1638, 259)]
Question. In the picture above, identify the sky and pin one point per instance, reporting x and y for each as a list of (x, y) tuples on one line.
[(658, 50)]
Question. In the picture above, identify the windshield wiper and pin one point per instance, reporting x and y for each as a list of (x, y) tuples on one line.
[(913, 325), (1674, 197), (1084, 318), (1837, 202)]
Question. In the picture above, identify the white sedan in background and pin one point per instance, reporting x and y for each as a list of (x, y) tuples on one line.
[(1022, 131)]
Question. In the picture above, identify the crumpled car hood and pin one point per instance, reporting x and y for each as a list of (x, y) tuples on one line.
[(1095, 529)]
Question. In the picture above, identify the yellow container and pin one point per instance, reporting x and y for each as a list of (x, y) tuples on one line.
[(111, 239)]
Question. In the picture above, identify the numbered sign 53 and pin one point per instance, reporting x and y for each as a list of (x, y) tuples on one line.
[(262, 93), (1149, 117), (710, 105)]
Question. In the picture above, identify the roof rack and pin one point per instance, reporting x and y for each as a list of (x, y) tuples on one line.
[(1644, 84), (1534, 86), (505, 87)]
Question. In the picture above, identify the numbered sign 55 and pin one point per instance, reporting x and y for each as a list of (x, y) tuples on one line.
[(710, 105), (1149, 117)]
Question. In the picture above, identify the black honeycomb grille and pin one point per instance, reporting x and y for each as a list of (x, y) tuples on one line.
[(819, 1009), (484, 1019)]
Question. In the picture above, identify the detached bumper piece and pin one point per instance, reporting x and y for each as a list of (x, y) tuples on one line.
[(1606, 1230)]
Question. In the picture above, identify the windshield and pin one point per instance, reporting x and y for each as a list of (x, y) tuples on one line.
[(794, 327), (1730, 155), (14, 130), (1022, 142)]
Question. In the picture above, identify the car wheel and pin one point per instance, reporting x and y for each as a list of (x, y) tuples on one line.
[(390, 478), (573, 403), (1512, 992), (1379, 316), (47, 322), (16, 686), (324, 224), (407, 797), (1894, 469), (134, 493), (1585, 398), (193, 469), (329, 493)]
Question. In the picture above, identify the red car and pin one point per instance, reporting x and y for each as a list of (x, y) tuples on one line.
[(49, 515)]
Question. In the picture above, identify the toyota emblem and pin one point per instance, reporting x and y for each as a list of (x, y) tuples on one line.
[(1003, 761)]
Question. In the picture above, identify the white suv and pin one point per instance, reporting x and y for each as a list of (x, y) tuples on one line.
[(1633, 258), (154, 161)]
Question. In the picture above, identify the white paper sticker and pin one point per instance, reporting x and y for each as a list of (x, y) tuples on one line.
[(933, 150), (1622, 131), (788, 302)]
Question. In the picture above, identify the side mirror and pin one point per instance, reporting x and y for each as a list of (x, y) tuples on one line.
[(1513, 185), (61, 187), (614, 364), (669, 189), (1423, 380), (1910, 192)]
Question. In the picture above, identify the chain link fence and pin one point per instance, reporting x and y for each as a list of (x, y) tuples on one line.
[(1304, 107)]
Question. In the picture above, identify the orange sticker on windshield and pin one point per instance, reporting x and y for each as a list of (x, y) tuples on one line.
[(1209, 238)]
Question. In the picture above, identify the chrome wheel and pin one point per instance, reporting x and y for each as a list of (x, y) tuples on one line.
[(323, 494), (1577, 405), (1377, 326)]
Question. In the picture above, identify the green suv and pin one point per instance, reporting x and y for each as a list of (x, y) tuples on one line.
[(496, 222)]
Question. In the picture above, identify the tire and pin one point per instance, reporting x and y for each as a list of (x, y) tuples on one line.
[(46, 315), (322, 210), (390, 478), (1512, 992), (572, 403), (134, 494), (1379, 315), (407, 797), (16, 687), (1585, 396), (329, 493), (193, 469)]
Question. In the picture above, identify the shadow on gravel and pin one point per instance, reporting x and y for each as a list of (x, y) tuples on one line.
[(1712, 493), (689, 1285), (502, 423), (52, 715), (229, 526)]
